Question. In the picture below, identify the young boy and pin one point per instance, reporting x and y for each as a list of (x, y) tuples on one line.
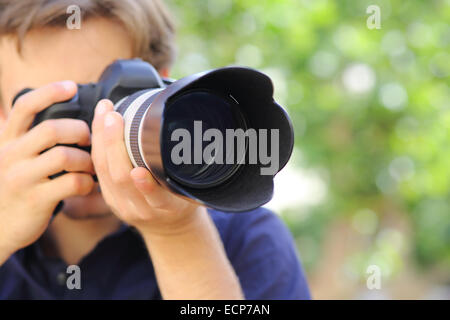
[(134, 239)]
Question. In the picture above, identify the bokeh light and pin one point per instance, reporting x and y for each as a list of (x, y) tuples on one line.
[(370, 178)]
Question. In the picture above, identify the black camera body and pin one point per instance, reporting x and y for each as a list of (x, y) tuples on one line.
[(120, 79)]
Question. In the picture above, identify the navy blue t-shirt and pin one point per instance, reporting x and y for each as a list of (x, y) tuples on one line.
[(257, 243)]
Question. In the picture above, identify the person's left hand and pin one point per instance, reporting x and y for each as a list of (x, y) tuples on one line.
[(132, 193)]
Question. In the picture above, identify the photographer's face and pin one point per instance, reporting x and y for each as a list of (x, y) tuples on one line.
[(55, 54)]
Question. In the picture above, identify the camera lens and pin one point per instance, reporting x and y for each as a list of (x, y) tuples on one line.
[(195, 112), (199, 136)]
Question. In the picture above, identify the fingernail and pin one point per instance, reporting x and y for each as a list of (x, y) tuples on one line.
[(109, 120), (141, 179), (67, 85), (101, 108)]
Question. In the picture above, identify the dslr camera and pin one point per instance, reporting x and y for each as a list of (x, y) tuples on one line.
[(232, 104)]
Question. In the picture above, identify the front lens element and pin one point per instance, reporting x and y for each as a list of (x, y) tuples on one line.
[(195, 112)]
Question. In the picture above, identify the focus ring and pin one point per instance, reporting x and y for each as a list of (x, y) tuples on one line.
[(128, 101), (134, 131)]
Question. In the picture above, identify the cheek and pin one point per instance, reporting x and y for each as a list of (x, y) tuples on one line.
[(10, 85), (5, 108), (3, 113), (5, 105), (2, 118)]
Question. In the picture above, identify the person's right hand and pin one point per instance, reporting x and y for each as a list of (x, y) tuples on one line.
[(28, 157)]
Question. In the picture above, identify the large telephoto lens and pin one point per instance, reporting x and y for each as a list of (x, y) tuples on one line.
[(216, 138), (170, 132)]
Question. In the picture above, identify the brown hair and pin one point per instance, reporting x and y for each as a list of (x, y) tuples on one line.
[(147, 22)]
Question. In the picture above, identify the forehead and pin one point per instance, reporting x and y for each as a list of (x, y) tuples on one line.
[(55, 54)]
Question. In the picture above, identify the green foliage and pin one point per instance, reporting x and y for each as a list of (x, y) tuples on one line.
[(370, 107)]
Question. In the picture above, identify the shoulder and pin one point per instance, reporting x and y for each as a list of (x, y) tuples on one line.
[(239, 229), (10, 278), (263, 254)]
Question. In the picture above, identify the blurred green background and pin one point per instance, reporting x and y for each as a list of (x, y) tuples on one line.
[(369, 180)]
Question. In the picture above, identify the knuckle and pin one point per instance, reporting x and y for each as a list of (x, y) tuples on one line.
[(62, 155), (81, 183), (83, 128), (80, 130), (76, 183), (50, 129), (89, 184), (120, 177), (13, 180)]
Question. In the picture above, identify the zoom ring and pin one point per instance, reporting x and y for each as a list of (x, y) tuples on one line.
[(134, 131)]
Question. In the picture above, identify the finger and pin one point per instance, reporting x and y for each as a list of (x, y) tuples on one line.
[(98, 148), (52, 132), (68, 185), (28, 105), (119, 168), (60, 159), (154, 194), (119, 163)]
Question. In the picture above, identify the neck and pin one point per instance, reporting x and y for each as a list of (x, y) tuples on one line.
[(71, 240)]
